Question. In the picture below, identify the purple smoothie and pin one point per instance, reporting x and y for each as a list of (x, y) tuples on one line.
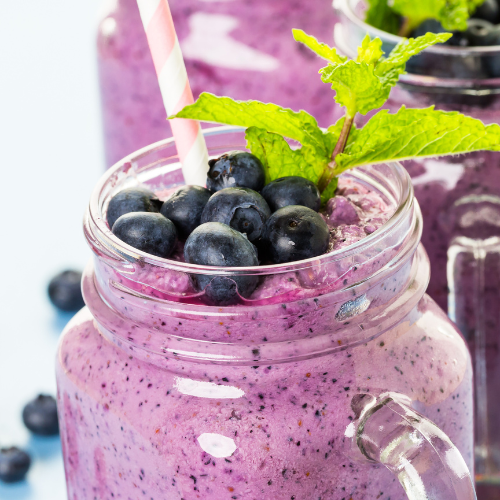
[(244, 50), (162, 396)]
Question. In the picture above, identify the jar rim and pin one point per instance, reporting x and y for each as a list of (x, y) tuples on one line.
[(98, 233), (347, 8), (349, 11)]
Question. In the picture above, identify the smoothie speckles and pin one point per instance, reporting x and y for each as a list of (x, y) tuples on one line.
[(286, 423)]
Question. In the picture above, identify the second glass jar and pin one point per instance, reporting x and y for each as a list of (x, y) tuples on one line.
[(460, 200), (244, 50)]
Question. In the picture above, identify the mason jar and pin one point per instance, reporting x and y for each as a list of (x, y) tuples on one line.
[(337, 378), (244, 50)]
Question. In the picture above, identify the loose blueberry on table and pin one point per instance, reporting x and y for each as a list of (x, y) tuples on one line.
[(65, 291), (14, 464), (40, 416), (273, 204)]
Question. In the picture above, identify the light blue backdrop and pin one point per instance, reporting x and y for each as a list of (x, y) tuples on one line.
[(50, 143)]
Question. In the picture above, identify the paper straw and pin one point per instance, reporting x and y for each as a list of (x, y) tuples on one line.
[(174, 86)]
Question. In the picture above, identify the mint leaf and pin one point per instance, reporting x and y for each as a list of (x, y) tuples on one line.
[(329, 192), (280, 160), (370, 51), (334, 132), (381, 16), (391, 68), (360, 86), (274, 152), (418, 11), (452, 14), (410, 47), (417, 133), (364, 85), (321, 49), (357, 87), (300, 126)]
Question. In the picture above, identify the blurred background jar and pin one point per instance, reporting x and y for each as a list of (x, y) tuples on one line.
[(237, 48), (460, 200)]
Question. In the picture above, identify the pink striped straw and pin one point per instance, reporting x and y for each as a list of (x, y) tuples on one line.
[(174, 86)]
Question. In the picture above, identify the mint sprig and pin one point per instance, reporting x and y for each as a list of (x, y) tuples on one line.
[(364, 84), (361, 86), (452, 14)]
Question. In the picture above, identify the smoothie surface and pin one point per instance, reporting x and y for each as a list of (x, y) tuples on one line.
[(353, 214)]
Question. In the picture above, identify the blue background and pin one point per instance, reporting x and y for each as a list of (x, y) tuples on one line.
[(50, 142)]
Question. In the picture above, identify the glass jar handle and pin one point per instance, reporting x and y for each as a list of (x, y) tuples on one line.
[(389, 432)]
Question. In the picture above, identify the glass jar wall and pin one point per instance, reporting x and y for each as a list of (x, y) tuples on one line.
[(296, 392)]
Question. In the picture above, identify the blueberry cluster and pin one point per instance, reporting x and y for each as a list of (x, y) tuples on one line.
[(40, 417), (483, 27), (237, 222)]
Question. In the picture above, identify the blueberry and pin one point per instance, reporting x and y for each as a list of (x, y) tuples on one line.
[(459, 38), (40, 416), (295, 233), (148, 232), (241, 208), (488, 11), (14, 464), (492, 62), (137, 199), (184, 208), (236, 169), (65, 291), (292, 191), (428, 26), (216, 244), (480, 33)]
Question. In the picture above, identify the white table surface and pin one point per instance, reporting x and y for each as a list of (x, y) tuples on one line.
[(50, 139)]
